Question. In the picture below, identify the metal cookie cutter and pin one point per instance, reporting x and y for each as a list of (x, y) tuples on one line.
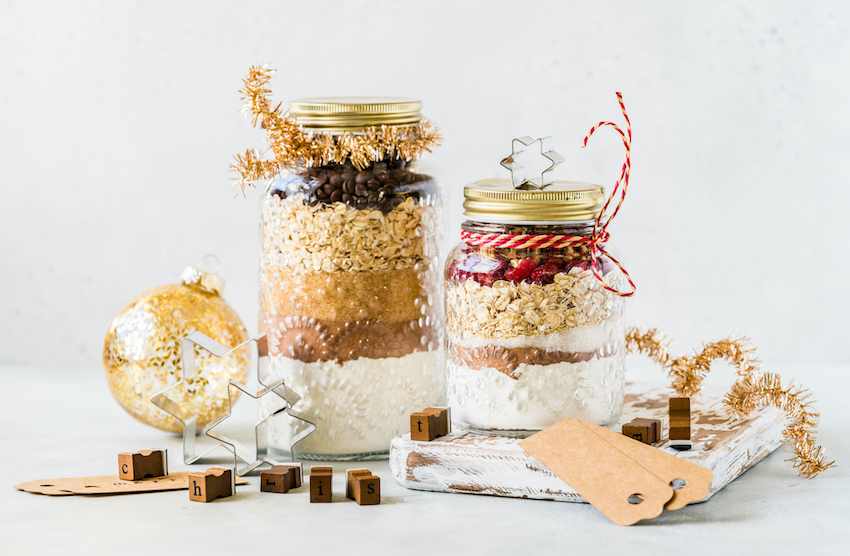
[(259, 361), (260, 455), (547, 149)]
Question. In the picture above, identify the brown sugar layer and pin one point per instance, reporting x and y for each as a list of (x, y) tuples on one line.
[(507, 360), (310, 340), (378, 295)]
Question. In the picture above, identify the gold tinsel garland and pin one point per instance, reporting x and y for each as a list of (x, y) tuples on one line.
[(291, 145), (749, 393)]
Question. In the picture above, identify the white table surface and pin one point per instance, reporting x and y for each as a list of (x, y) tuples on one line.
[(64, 423)]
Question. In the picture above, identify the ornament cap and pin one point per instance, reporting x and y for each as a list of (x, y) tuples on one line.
[(209, 282)]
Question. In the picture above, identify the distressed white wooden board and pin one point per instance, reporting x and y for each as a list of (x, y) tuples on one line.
[(475, 464)]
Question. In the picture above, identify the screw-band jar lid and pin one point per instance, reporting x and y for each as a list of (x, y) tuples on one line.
[(496, 200), (353, 114)]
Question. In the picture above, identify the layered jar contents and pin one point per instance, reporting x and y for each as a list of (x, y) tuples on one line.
[(532, 336), (350, 290)]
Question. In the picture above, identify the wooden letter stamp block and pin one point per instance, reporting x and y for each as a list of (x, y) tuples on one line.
[(276, 479), (321, 484), (680, 423), (367, 490), (423, 427), (294, 472), (350, 474), (443, 420), (133, 466), (215, 482), (647, 431)]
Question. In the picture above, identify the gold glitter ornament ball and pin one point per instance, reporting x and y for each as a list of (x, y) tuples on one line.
[(142, 353)]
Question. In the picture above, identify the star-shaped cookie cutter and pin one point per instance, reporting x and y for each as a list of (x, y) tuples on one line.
[(518, 175), (261, 454), (259, 360)]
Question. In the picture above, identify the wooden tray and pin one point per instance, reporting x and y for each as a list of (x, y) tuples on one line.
[(475, 464)]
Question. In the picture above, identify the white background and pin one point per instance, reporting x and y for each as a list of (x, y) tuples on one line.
[(118, 122)]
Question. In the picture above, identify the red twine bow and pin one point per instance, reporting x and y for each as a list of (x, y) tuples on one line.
[(600, 231)]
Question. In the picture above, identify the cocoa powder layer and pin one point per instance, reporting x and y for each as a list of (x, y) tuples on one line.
[(390, 296), (507, 360), (311, 340)]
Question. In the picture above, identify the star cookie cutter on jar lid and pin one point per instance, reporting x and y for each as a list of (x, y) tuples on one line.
[(518, 172)]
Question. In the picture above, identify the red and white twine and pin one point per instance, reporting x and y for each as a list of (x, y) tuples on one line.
[(600, 234)]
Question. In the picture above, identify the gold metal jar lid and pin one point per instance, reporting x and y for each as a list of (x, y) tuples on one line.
[(353, 114), (496, 200)]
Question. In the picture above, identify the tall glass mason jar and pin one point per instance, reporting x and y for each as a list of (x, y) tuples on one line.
[(350, 288), (532, 336)]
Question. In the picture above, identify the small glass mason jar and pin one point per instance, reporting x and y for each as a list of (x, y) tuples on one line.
[(532, 336), (350, 289)]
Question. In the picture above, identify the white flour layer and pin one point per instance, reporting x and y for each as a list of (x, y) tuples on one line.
[(358, 406), (542, 396)]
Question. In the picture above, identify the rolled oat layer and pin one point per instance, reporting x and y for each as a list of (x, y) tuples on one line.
[(586, 338), (338, 238), (507, 310)]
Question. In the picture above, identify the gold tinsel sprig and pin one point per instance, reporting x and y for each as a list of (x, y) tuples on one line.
[(688, 372), (764, 389), (650, 343), (749, 393), (292, 146)]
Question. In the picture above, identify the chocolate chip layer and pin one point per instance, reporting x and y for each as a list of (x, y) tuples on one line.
[(507, 360), (383, 185), (311, 340)]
